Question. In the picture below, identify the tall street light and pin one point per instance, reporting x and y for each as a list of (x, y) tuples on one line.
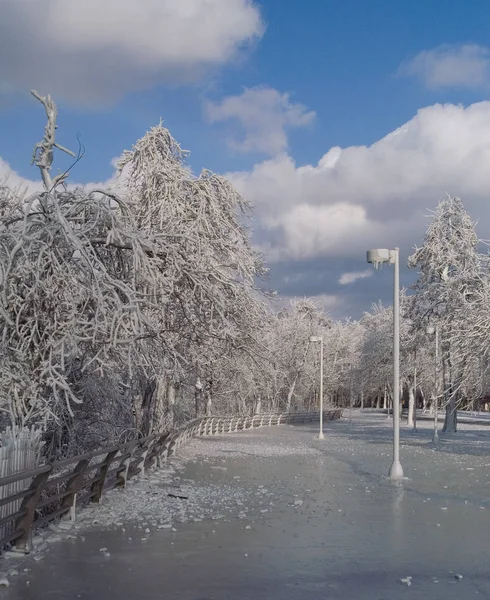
[(319, 338), (431, 329), (376, 257)]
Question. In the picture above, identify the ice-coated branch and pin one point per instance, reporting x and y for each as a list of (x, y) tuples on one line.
[(43, 154)]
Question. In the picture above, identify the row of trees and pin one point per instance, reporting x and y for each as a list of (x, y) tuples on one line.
[(122, 313)]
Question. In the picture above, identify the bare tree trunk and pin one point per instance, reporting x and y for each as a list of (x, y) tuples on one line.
[(209, 395), (411, 405), (385, 397), (451, 419), (146, 406), (157, 406), (293, 385), (290, 394), (258, 405), (362, 399), (137, 411), (197, 399), (171, 404), (414, 413), (451, 400)]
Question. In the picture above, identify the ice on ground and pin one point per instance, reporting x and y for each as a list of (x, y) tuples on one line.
[(254, 444)]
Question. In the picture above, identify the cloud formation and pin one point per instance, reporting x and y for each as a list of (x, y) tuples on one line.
[(465, 66), (359, 197), (111, 47), (263, 116), (347, 278), (25, 187)]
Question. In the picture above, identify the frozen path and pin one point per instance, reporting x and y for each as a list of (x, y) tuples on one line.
[(301, 519)]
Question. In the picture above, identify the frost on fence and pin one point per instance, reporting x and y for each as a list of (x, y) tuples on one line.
[(20, 450)]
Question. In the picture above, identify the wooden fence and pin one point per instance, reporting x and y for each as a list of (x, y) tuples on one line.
[(52, 491)]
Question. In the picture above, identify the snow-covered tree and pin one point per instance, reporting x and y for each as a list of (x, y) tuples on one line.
[(207, 303), (112, 303), (292, 350), (70, 308), (450, 279)]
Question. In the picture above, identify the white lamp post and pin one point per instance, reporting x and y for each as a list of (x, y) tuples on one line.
[(377, 257), (431, 329), (319, 338)]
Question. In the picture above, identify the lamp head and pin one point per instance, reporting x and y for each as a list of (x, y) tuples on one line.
[(378, 255)]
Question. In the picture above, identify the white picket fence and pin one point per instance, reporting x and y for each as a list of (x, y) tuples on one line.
[(20, 450)]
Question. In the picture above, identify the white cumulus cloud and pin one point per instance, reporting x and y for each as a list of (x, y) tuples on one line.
[(25, 187), (92, 52), (360, 197), (347, 278), (466, 65), (11, 179), (263, 116)]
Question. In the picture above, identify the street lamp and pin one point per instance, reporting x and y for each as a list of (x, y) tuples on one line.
[(319, 338), (431, 329), (376, 257)]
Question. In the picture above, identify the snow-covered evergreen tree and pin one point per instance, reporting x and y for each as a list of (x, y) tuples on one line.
[(450, 279)]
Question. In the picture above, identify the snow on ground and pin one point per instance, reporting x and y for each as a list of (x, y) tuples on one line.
[(147, 500), (247, 478), (296, 516), (163, 499), (253, 444)]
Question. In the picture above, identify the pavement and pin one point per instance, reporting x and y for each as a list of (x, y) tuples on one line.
[(316, 519)]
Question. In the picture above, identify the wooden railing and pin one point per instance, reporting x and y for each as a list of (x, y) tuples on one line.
[(53, 490)]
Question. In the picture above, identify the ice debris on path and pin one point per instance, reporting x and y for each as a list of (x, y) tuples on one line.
[(406, 581), (4, 582), (145, 500), (251, 445), (458, 577), (53, 539), (13, 554)]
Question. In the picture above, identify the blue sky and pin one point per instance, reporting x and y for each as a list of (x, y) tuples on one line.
[(319, 75)]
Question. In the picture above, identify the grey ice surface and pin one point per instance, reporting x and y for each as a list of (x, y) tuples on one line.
[(287, 517)]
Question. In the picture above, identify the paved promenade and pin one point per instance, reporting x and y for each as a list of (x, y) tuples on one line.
[(276, 514)]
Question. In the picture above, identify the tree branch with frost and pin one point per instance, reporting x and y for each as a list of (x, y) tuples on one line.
[(44, 151)]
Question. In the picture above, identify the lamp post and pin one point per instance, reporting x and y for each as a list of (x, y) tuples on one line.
[(319, 338), (431, 329), (376, 257)]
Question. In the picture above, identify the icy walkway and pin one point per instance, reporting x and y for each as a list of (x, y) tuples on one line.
[(276, 514)]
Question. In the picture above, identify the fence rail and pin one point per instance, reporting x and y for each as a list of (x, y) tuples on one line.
[(54, 490)]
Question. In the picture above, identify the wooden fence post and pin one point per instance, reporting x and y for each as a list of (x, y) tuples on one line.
[(98, 486), (142, 457), (156, 451), (73, 485), (123, 471), (28, 505)]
